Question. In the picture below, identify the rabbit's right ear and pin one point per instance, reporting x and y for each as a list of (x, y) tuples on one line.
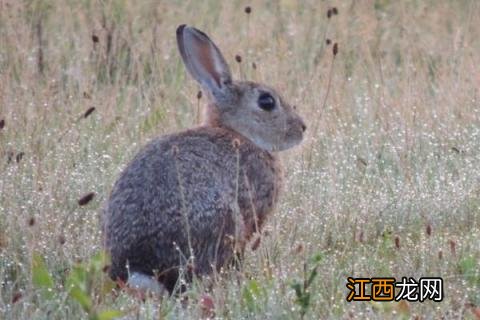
[(203, 59)]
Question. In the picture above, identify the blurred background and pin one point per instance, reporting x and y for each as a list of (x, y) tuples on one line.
[(386, 184)]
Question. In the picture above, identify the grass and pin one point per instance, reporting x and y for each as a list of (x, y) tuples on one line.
[(387, 182)]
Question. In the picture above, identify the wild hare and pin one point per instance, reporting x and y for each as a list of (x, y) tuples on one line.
[(189, 202)]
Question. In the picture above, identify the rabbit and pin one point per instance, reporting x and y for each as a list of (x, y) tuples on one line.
[(189, 202)]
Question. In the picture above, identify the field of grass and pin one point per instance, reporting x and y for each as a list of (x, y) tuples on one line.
[(386, 184)]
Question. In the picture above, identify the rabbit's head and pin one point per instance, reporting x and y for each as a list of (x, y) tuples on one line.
[(254, 110)]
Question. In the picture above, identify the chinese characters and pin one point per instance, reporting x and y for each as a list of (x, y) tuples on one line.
[(383, 289)]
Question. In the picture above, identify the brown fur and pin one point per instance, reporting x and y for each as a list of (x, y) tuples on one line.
[(191, 201)]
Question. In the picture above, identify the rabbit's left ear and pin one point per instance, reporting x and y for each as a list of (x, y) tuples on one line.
[(203, 59)]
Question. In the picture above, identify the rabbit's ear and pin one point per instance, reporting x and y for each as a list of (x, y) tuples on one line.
[(203, 59)]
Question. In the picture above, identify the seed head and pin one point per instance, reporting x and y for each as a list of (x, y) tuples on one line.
[(360, 237), (31, 221), (199, 94), (207, 306), (238, 58), (362, 161), (10, 155), (455, 149), (428, 229), (248, 9), (254, 66), (61, 239), (329, 13), (16, 297), (256, 244), (2, 123), (453, 246), (190, 267), (86, 199), (299, 249), (19, 156), (328, 42), (334, 11), (335, 49), (397, 242), (95, 38), (88, 112)]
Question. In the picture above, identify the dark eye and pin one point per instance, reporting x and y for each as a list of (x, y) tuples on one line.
[(266, 101)]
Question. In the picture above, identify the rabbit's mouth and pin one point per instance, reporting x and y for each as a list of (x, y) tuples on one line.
[(292, 138), (294, 135), (291, 141)]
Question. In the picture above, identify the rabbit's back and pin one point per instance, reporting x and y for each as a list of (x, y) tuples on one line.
[(200, 189)]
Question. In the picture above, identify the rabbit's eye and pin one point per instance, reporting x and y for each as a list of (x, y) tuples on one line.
[(266, 101)]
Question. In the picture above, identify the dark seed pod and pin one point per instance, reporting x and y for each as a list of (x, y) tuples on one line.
[(428, 229), (329, 13), (335, 49), (362, 161), (256, 244), (248, 9), (61, 239), (86, 199), (95, 38), (10, 155), (453, 246), (16, 297), (19, 156), (397, 242), (360, 237), (207, 306), (254, 66), (31, 221), (334, 11), (199, 94), (299, 249), (238, 58), (88, 112), (328, 42), (2, 123)]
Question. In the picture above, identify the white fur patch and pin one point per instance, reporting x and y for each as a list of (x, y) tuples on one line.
[(141, 281)]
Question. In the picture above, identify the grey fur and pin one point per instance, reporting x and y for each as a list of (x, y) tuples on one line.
[(192, 200)]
